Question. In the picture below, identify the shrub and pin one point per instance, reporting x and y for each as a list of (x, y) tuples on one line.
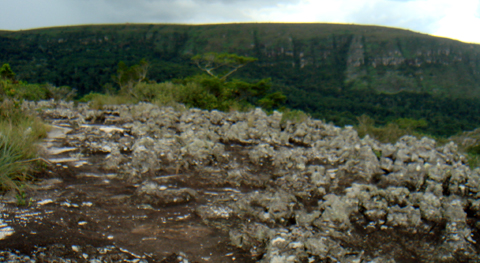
[(59, 93), (195, 95), (23, 91)]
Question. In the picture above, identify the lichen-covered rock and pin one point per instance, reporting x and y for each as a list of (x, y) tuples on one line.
[(159, 195), (403, 217), (114, 159), (336, 212), (430, 206), (293, 191)]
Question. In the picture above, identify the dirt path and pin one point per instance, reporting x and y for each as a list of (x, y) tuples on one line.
[(79, 213)]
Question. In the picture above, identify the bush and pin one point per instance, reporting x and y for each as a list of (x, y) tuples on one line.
[(161, 92), (23, 91), (59, 93), (195, 95), (273, 100), (34, 92)]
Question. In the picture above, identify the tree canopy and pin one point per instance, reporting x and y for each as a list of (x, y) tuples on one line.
[(128, 77), (6, 72), (221, 66)]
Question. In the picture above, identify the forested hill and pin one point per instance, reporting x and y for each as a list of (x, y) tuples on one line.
[(307, 56), (349, 64)]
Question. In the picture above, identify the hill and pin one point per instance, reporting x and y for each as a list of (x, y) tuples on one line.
[(332, 71), (307, 55)]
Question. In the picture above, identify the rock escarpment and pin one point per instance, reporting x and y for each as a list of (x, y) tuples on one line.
[(285, 191)]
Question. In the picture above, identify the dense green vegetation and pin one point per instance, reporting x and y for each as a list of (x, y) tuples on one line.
[(444, 116), (11, 88)]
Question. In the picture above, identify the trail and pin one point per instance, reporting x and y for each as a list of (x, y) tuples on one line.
[(79, 212)]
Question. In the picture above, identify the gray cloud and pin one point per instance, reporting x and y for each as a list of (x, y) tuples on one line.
[(25, 14), (428, 16)]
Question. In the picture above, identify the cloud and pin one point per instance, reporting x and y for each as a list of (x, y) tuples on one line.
[(454, 19), (395, 13), (460, 22), (176, 11), (415, 15), (446, 18)]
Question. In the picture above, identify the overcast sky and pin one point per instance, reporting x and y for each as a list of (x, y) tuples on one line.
[(457, 19)]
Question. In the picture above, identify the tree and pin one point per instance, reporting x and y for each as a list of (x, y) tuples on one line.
[(227, 64), (7, 73), (272, 100), (128, 77), (243, 90), (234, 92)]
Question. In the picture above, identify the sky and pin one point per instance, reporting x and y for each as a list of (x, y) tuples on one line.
[(456, 19)]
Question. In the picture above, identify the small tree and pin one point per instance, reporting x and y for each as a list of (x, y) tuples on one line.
[(235, 92), (227, 64), (7, 73), (128, 77)]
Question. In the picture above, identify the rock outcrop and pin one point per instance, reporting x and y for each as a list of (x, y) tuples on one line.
[(302, 192)]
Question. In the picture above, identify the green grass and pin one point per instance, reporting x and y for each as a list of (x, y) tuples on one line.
[(19, 133)]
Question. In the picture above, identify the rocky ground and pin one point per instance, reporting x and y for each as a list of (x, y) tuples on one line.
[(147, 184)]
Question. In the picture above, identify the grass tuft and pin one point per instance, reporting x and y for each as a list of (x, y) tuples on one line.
[(19, 133)]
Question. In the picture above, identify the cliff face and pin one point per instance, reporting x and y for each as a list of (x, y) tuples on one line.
[(307, 56)]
